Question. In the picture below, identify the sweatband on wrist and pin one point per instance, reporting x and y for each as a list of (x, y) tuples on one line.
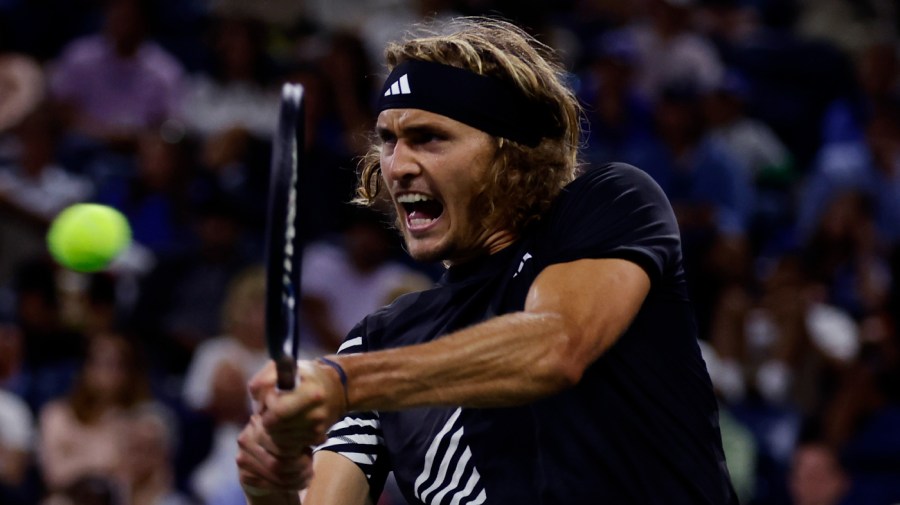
[(480, 101), (341, 373)]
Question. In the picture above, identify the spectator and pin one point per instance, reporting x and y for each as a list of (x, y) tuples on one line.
[(238, 90), (877, 84), (13, 376), (618, 115), (34, 188), (215, 383), (850, 25), (706, 183), (754, 143), (343, 282), (784, 344), (230, 109), (737, 440), (116, 83), (155, 198), (671, 51), (80, 433), (870, 166), (240, 350), (347, 68), (89, 490), (817, 477), (17, 443), (22, 85), (330, 163), (864, 412), (793, 78), (147, 448), (844, 253), (51, 349), (180, 304)]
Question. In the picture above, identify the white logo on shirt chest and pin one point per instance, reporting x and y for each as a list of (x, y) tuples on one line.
[(522, 264)]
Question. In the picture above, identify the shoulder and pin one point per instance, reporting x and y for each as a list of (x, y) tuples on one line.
[(85, 50), (391, 325), (155, 57), (613, 174), (612, 211), (610, 183)]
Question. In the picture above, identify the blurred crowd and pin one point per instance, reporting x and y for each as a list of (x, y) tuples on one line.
[(772, 125)]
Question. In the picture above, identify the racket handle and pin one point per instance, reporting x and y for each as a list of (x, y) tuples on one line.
[(286, 368)]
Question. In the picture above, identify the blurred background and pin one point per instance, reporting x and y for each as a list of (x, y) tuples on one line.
[(772, 125)]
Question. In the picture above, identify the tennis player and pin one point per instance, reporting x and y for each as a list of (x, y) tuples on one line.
[(555, 362)]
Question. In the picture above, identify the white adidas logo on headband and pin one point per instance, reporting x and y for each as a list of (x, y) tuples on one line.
[(399, 87)]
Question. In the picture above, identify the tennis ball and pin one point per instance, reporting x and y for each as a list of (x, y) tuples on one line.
[(86, 237)]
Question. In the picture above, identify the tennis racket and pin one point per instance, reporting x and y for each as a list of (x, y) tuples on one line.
[(284, 250)]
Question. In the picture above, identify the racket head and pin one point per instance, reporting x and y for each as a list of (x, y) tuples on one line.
[(284, 251)]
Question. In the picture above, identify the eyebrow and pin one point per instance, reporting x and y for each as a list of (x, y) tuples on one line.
[(413, 129)]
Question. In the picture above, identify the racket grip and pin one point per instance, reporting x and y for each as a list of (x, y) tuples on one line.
[(286, 369)]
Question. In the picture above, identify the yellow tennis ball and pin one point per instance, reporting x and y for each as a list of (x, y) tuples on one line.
[(86, 237)]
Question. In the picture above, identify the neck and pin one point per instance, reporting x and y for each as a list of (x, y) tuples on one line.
[(493, 244)]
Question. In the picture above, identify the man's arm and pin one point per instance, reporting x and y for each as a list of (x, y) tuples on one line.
[(573, 313), (337, 481)]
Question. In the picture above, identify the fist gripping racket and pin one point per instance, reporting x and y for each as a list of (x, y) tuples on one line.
[(284, 250)]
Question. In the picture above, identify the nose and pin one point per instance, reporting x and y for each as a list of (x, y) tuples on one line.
[(401, 164)]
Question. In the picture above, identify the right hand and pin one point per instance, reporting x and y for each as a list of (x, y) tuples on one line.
[(296, 419)]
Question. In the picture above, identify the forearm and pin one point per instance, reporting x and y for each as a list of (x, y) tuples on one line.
[(509, 360), (569, 320)]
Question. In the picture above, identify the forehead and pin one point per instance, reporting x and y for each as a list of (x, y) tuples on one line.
[(400, 119)]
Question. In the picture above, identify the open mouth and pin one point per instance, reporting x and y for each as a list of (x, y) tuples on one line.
[(421, 210)]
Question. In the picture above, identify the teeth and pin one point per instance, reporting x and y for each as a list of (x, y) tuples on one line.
[(413, 198), (420, 222)]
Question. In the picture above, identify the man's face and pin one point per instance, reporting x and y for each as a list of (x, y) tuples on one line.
[(434, 168)]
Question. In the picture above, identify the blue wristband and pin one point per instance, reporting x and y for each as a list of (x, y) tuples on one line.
[(343, 376)]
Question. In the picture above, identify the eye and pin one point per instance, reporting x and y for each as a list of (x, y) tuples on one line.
[(386, 136), (426, 136)]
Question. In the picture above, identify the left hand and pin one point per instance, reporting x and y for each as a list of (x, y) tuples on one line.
[(262, 469)]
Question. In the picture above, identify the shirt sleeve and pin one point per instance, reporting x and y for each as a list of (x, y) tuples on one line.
[(615, 211), (358, 436)]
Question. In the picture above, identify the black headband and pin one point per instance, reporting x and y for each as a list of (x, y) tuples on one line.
[(479, 101)]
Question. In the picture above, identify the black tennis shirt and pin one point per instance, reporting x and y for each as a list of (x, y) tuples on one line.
[(641, 427)]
